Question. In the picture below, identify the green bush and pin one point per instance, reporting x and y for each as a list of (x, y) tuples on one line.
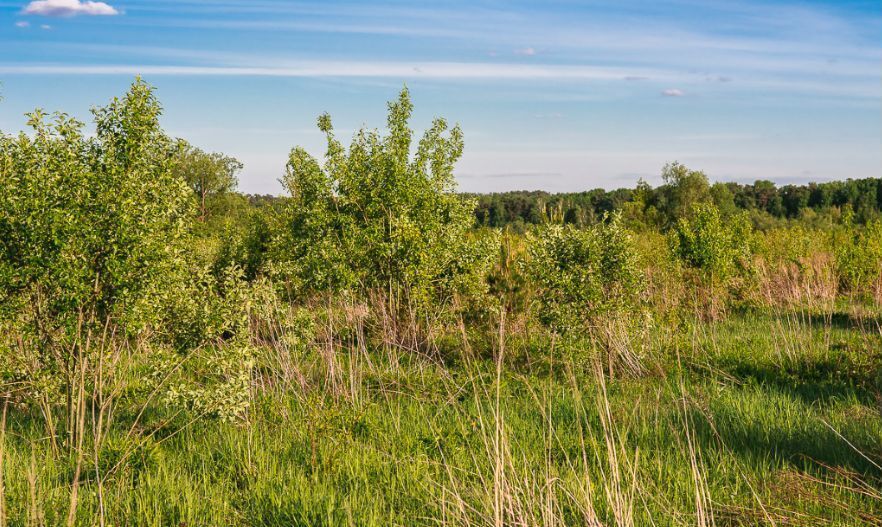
[(718, 248), (244, 243), (92, 228), (96, 253), (580, 274), (790, 245), (376, 218), (859, 256)]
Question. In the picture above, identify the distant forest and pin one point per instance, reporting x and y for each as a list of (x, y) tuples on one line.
[(767, 203), (764, 200)]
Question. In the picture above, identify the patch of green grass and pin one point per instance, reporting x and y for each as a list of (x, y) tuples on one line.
[(775, 438)]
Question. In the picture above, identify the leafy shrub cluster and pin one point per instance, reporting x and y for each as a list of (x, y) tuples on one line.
[(96, 251), (92, 228), (134, 237), (714, 246), (376, 218), (859, 257), (589, 288), (582, 274)]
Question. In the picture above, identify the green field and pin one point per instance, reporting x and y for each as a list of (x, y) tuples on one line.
[(766, 418)]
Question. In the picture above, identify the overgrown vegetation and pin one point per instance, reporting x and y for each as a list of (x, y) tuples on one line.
[(361, 353)]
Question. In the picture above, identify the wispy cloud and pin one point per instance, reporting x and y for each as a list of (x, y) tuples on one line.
[(441, 71), (747, 46), (69, 8), (22, 23), (425, 70)]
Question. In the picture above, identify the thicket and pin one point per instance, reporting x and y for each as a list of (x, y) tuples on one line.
[(98, 266), (135, 284), (133, 234)]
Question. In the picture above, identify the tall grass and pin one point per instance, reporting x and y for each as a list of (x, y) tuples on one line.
[(361, 416)]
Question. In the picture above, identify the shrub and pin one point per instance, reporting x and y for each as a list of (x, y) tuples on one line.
[(218, 320), (859, 256), (376, 218), (716, 248), (790, 245), (581, 274), (93, 234), (92, 228), (96, 254), (244, 243)]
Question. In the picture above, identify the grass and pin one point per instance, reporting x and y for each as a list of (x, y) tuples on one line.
[(765, 418)]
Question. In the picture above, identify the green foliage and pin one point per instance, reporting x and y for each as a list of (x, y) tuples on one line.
[(217, 321), (209, 175), (724, 199), (375, 218), (710, 244), (245, 242), (859, 256), (683, 189), (662, 206), (790, 245), (641, 213), (112, 307), (96, 249), (582, 273), (92, 228)]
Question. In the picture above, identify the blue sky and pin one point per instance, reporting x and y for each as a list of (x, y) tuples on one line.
[(557, 95)]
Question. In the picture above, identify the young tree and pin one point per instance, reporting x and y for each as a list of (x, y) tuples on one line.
[(376, 217), (683, 188), (714, 246), (589, 285), (207, 174), (93, 235), (95, 251)]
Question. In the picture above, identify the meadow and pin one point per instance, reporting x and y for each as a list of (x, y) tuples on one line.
[(368, 351)]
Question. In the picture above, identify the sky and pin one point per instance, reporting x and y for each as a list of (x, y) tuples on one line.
[(553, 95)]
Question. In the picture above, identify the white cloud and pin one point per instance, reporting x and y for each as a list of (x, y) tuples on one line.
[(46, 27), (22, 23), (69, 8), (672, 92), (525, 52)]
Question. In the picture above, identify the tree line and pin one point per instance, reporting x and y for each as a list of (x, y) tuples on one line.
[(766, 202)]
